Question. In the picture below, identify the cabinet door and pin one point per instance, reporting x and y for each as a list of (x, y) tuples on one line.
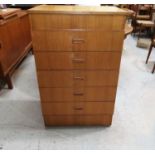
[(6, 48), (25, 30), (11, 43)]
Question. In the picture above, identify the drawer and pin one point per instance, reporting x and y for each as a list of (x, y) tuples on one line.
[(50, 21), (99, 22), (59, 61), (96, 94), (73, 108), (59, 21), (85, 60), (77, 77), (77, 40), (78, 120)]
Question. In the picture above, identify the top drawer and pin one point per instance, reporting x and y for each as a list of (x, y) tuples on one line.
[(65, 21)]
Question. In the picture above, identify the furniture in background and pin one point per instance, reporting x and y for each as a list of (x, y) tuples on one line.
[(149, 53), (142, 11), (15, 41), (128, 30), (77, 52), (136, 26), (21, 6), (142, 25), (145, 25)]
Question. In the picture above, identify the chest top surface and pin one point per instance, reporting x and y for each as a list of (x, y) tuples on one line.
[(78, 9)]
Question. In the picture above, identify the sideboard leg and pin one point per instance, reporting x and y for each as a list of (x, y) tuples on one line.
[(9, 82), (153, 69)]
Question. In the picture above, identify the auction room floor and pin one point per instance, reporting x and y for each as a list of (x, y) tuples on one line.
[(133, 127)]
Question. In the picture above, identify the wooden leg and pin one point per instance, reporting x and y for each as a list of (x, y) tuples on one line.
[(153, 69), (9, 82), (140, 30), (150, 50), (32, 52)]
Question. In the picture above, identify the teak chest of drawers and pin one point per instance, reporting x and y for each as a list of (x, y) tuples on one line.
[(77, 53)]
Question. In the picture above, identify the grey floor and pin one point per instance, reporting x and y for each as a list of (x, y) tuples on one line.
[(21, 122)]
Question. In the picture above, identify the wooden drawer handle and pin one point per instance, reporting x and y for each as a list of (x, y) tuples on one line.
[(78, 94), (79, 60), (78, 108), (78, 41), (78, 78)]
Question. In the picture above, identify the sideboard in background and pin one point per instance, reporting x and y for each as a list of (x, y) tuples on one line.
[(15, 41)]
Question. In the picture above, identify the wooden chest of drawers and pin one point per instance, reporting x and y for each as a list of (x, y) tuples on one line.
[(77, 53)]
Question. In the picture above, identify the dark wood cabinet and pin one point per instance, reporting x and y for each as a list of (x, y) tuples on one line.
[(15, 41)]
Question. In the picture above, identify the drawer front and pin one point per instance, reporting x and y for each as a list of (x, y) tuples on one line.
[(54, 60), (85, 60), (55, 78), (99, 22), (59, 21), (78, 120), (77, 78), (77, 40), (70, 108), (96, 94), (50, 21)]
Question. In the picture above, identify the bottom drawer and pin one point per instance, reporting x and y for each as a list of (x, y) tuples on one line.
[(51, 120)]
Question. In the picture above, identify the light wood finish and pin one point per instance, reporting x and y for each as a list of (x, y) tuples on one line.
[(77, 77), (83, 60), (78, 93), (77, 53), (15, 41), (77, 40), (90, 10), (60, 120), (77, 108), (40, 22)]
